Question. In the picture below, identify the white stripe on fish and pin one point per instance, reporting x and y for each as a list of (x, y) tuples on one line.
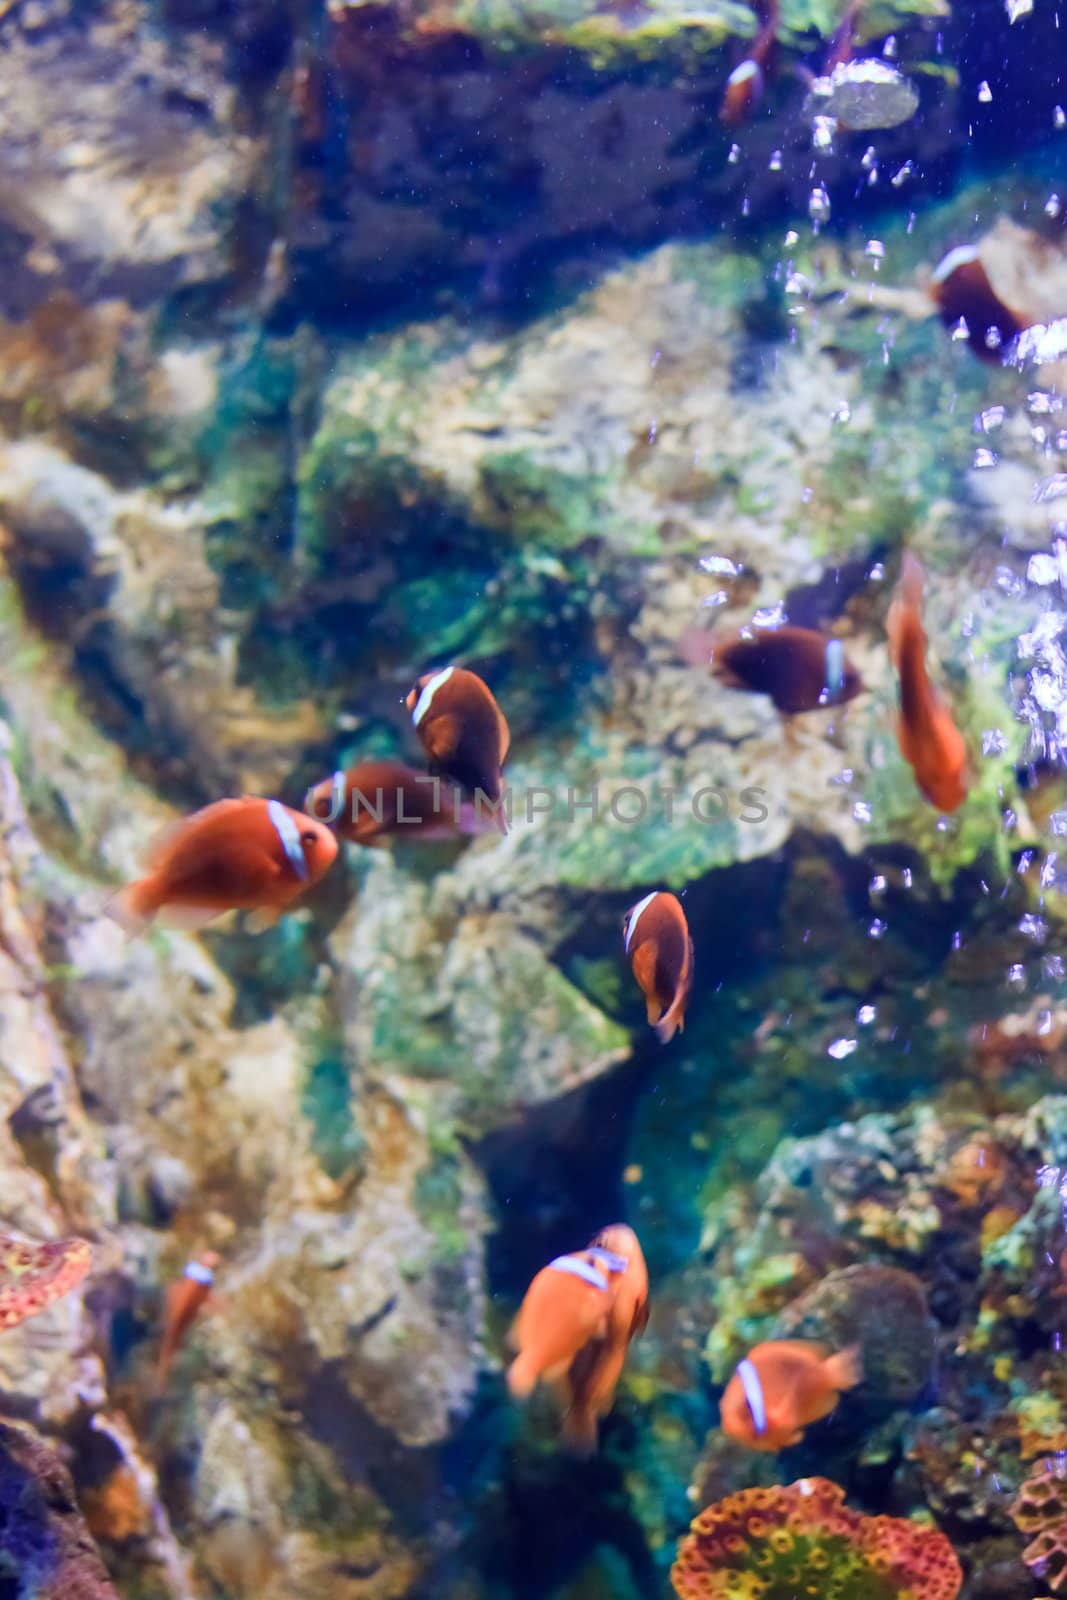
[(611, 1261), (199, 1273), (425, 700), (579, 1269), (289, 834), (635, 915), (753, 1394)]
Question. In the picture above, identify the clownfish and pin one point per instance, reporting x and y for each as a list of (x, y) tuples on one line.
[(744, 86), (464, 733), (377, 801), (185, 1299), (235, 855), (963, 294), (568, 1303), (800, 669), (929, 740), (656, 939), (593, 1375), (783, 1386)]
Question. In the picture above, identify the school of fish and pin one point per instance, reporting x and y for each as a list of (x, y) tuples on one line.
[(262, 857)]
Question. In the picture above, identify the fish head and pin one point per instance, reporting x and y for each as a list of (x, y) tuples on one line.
[(325, 801), (633, 916), (319, 846)]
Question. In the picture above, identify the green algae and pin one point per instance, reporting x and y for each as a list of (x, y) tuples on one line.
[(326, 1100)]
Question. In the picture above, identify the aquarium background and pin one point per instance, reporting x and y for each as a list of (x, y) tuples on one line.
[(340, 341)]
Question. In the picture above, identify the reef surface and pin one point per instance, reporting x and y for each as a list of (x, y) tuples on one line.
[(340, 342)]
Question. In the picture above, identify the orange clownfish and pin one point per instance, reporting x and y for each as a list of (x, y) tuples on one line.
[(589, 1387), (966, 299), (656, 936), (185, 1300), (930, 741), (783, 1386), (464, 732), (568, 1303), (235, 855), (744, 86), (377, 801)]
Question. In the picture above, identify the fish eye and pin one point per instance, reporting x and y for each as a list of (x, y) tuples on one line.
[(307, 837)]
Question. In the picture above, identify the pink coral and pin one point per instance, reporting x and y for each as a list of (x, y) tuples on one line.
[(1040, 1508), (33, 1275), (802, 1541)]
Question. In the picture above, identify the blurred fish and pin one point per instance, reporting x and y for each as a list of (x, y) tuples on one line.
[(812, 605), (246, 855), (800, 669), (589, 1387), (656, 936), (783, 1386), (744, 86), (843, 39), (963, 294), (568, 1303), (463, 731), (185, 1300), (377, 801), (929, 740)]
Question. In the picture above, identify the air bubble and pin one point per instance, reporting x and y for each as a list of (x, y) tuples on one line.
[(903, 174), (1018, 8), (984, 458), (985, 93), (819, 204), (994, 742), (865, 1016), (877, 928), (775, 163), (861, 811), (841, 1048), (1053, 206), (822, 134)]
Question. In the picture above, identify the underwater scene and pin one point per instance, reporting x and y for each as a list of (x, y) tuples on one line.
[(533, 799)]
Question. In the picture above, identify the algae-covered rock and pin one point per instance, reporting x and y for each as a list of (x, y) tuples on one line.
[(883, 1310)]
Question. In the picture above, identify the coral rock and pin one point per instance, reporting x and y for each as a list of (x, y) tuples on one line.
[(779, 1543), (1040, 1508)]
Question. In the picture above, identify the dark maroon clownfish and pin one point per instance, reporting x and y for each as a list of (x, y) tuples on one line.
[(744, 86), (656, 937), (800, 669), (964, 295), (374, 802), (463, 731)]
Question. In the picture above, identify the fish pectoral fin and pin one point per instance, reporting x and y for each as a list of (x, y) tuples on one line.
[(263, 920), (187, 919), (640, 1321), (644, 967), (443, 735)]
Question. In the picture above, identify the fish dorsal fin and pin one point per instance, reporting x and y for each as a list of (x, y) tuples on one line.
[(640, 1321)]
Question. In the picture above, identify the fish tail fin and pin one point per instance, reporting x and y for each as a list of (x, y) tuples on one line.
[(845, 1369), (134, 907), (580, 1431), (672, 1020), (522, 1377)]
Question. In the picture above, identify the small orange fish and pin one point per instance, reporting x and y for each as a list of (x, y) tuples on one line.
[(744, 86), (929, 740), (568, 1303), (464, 732), (185, 1299), (589, 1387), (783, 1386), (656, 938), (800, 669), (963, 294), (377, 801), (245, 855)]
